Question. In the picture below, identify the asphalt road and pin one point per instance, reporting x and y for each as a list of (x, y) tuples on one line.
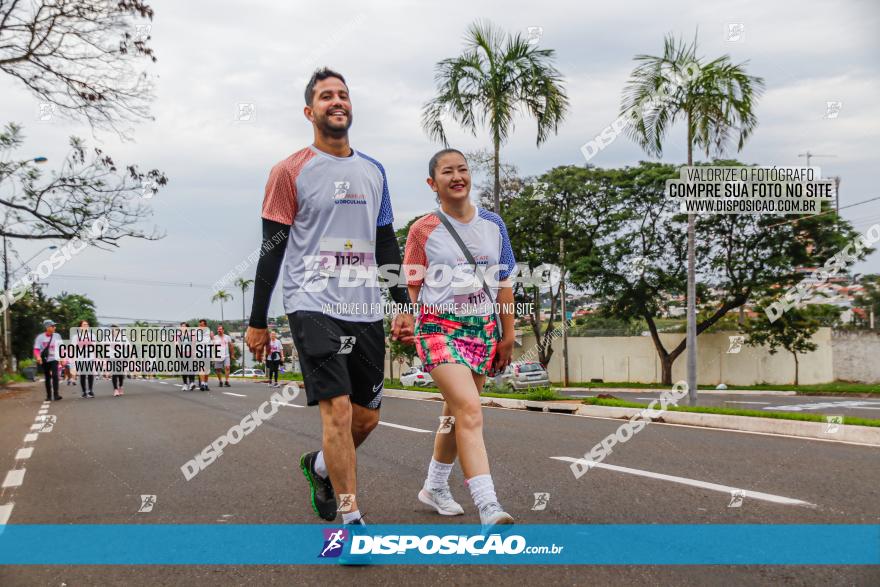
[(103, 454), (835, 405)]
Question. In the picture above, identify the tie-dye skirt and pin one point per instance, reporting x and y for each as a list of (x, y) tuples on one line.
[(448, 338)]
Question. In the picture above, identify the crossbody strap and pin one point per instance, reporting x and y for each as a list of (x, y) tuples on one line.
[(470, 259)]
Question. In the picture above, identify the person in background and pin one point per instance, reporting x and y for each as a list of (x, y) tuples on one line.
[(203, 376), (86, 382), (189, 381), (117, 377), (227, 352), (274, 357), (46, 355)]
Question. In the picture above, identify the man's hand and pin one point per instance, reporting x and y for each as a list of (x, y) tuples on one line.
[(257, 339), (503, 354), (39, 360), (403, 328)]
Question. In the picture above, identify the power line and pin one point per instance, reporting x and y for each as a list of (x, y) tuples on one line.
[(132, 281), (823, 213)]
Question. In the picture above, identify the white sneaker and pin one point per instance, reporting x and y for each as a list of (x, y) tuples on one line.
[(441, 500), (492, 514)]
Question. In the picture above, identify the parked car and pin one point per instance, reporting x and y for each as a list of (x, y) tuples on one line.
[(523, 376), (248, 373), (415, 376)]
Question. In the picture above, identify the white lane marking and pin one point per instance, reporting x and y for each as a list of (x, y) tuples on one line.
[(30, 437), (5, 512), (410, 428), (14, 478), (235, 394), (164, 382), (35, 427), (696, 483), (752, 403), (690, 426), (648, 398), (24, 453), (278, 403), (43, 411)]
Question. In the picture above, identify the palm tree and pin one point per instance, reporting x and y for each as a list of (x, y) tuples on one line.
[(496, 76), (243, 284), (221, 296), (716, 99)]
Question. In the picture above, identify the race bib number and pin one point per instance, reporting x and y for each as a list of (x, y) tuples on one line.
[(337, 254)]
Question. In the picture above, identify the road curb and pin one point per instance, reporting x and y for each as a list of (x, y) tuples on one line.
[(613, 390), (817, 430)]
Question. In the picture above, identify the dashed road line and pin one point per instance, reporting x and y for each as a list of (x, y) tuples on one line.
[(30, 437), (278, 403), (24, 453), (5, 512), (696, 483), (235, 394), (14, 478), (410, 428)]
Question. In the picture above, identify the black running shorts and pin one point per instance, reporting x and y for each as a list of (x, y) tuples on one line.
[(339, 357)]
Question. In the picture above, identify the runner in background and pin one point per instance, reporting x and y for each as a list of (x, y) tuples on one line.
[(227, 352), (117, 376), (188, 379), (274, 357), (46, 355), (457, 330), (203, 375), (86, 382)]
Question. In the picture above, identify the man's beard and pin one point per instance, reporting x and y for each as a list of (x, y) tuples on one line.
[(325, 128)]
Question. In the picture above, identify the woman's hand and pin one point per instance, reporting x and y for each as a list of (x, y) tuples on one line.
[(504, 353)]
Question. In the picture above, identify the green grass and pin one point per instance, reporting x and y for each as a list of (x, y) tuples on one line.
[(616, 403), (836, 387), (7, 378), (536, 394)]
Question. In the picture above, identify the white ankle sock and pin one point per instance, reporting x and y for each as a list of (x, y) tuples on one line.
[(349, 517), (482, 490), (438, 474), (320, 465)]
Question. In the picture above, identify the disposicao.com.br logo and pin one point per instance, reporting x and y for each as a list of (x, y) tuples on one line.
[(450, 544)]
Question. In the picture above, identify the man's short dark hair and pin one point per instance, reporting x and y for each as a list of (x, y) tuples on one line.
[(320, 74)]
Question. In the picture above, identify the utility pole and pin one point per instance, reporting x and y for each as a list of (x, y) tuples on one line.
[(7, 343), (564, 315), (808, 155)]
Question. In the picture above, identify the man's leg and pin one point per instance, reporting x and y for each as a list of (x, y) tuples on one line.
[(55, 379), (338, 446), (47, 380)]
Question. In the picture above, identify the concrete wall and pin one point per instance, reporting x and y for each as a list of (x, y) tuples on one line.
[(856, 356), (634, 359)]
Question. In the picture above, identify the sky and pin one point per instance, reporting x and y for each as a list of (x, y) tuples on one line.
[(214, 56)]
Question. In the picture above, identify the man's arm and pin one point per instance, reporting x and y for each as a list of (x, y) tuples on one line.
[(388, 253), (268, 267)]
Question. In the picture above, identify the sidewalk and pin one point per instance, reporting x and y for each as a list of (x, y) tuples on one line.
[(662, 389)]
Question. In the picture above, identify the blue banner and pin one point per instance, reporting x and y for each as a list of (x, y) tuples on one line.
[(254, 544)]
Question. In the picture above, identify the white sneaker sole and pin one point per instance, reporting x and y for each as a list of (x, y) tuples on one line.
[(500, 519), (425, 498)]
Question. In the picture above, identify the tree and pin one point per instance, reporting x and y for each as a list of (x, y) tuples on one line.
[(641, 268), (89, 196), (68, 310), (243, 284), (568, 202), (482, 164), (221, 296), (868, 300), (81, 59), (715, 99), (495, 77), (793, 331)]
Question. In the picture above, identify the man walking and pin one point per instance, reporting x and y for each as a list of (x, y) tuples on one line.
[(227, 351), (46, 355), (326, 213)]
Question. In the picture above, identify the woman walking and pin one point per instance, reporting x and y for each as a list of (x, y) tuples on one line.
[(274, 357), (457, 336)]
